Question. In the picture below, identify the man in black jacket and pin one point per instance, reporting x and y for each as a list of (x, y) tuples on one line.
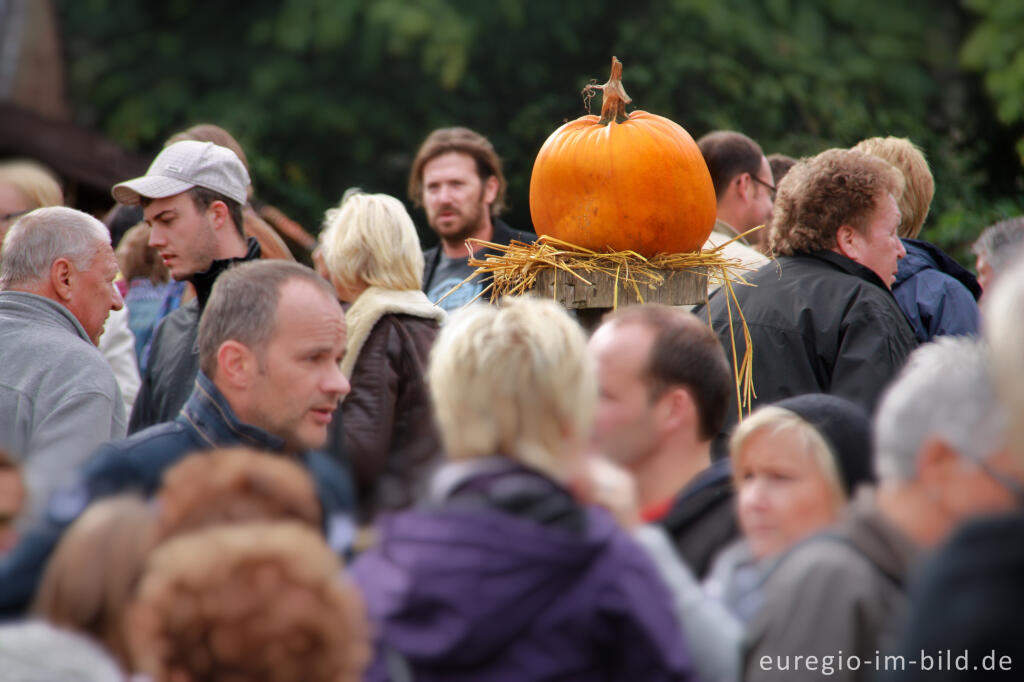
[(823, 319), (192, 197), (456, 177), (664, 389)]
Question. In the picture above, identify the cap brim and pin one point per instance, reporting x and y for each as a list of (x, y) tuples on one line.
[(149, 186)]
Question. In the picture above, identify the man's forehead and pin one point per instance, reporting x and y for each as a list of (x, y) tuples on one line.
[(449, 163), (622, 343), (303, 304), (157, 206)]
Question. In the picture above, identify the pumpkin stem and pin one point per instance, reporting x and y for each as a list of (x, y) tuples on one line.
[(613, 107)]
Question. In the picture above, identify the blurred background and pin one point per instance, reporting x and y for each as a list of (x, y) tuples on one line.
[(328, 94)]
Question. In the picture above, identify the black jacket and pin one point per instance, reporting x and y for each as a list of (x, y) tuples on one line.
[(819, 323), (174, 351), (703, 518), (503, 234)]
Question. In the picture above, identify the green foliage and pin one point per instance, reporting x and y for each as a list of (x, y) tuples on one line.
[(996, 48), (327, 94)]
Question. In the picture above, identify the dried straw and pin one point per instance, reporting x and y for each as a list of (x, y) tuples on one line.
[(514, 269)]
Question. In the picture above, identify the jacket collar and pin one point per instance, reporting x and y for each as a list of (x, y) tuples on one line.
[(208, 412), (40, 308), (849, 266), (373, 304), (203, 281)]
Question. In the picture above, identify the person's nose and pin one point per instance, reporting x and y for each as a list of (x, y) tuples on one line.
[(117, 301), (753, 494), (336, 383), (156, 238), (902, 251)]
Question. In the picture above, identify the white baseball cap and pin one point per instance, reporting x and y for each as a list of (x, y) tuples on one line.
[(184, 165)]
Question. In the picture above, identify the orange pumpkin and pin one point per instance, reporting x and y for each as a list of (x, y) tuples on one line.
[(623, 181)]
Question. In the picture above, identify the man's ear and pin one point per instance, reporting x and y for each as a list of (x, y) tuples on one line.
[(236, 364), (938, 467), (848, 242), (677, 409), (219, 215), (743, 183), (491, 187), (62, 278)]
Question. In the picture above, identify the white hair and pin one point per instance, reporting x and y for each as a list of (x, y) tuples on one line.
[(39, 238), (370, 239), (945, 391), (1003, 309), (514, 381)]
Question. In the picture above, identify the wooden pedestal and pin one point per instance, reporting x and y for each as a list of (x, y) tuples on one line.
[(591, 302)]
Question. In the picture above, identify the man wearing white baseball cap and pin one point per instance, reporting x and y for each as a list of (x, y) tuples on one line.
[(192, 197)]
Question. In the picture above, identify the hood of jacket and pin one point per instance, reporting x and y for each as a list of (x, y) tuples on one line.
[(459, 582), (922, 255)]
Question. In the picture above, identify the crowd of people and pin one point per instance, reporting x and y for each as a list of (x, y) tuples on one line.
[(219, 464)]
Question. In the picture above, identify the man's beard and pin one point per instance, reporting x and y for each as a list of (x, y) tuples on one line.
[(470, 225)]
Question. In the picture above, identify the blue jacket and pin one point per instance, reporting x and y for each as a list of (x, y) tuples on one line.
[(938, 295), (139, 462)]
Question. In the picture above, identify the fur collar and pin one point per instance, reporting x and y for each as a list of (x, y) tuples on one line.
[(373, 304)]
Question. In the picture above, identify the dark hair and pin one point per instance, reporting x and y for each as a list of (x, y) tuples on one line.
[(202, 198), (728, 154), (685, 353), (780, 165), (462, 141), (120, 219), (243, 306)]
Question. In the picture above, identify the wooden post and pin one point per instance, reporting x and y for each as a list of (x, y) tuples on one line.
[(592, 301)]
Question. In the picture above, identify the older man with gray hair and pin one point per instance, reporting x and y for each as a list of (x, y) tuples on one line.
[(58, 396), (942, 457)]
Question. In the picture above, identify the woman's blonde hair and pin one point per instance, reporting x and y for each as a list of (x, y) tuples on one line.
[(907, 158), (513, 380), (36, 184), (773, 419), (256, 601), (370, 239)]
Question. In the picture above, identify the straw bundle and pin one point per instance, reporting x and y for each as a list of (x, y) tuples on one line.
[(515, 267)]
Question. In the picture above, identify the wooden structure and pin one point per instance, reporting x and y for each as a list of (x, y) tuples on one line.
[(592, 301)]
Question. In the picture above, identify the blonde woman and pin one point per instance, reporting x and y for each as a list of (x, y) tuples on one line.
[(795, 465), (503, 574), (372, 255)]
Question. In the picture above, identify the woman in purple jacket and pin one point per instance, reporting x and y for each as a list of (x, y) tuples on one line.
[(502, 574)]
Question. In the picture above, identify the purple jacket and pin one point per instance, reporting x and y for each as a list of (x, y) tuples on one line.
[(517, 589)]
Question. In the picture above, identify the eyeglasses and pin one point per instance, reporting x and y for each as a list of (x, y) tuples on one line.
[(1009, 484), (771, 188)]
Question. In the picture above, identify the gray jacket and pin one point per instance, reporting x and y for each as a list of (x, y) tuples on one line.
[(58, 397), (711, 632), (839, 593)]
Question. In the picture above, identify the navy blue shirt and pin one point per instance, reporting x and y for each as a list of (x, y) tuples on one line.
[(138, 463)]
